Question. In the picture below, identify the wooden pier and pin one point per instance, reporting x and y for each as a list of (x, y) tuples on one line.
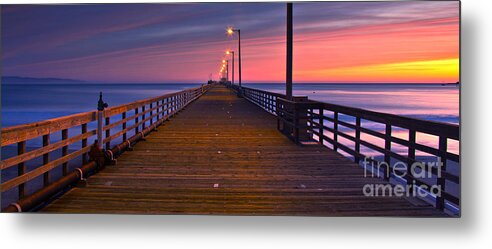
[(220, 154)]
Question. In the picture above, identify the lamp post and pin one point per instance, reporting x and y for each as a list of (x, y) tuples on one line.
[(227, 71), (288, 77), (230, 31), (230, 52)]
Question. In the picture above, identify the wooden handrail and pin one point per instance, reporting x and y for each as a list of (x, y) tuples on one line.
[(155, 111), (15, 134), (310, 117)]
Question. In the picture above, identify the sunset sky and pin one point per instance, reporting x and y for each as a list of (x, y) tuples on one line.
[(409, 42)]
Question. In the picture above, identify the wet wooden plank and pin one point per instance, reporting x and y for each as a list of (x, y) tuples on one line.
[(224, 155)]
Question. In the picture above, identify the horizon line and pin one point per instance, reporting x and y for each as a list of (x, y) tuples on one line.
[(94, 82)]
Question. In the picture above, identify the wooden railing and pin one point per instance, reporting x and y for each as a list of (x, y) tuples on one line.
[(123, 124), (329, 124), (264, 99)]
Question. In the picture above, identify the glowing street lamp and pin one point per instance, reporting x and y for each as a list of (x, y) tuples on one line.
[(230, 32), (225, 69), (230, 52)]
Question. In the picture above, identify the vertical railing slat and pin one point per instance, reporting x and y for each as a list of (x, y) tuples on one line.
[(387, 147), (321, 119), (123, 126), (136, 121), (357, 140), (335, 131), (143, 117), (84, 143), (21, 168), (46, 159), (411, 158), (65, 152), (441, 181), (151, 112), (108, 133)]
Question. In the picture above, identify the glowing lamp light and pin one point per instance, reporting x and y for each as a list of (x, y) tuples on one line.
[(230, 31)]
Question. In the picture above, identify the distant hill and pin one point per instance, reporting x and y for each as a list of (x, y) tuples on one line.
[(30, 80)]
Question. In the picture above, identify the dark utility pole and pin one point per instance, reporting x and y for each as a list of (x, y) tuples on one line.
[(288, 81), (227, 70), (239, 38), (232, 67)]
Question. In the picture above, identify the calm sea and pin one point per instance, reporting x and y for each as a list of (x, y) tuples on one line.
[(26, 103), (432, 102)]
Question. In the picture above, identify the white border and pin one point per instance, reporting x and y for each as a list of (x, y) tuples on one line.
[(473, 230)]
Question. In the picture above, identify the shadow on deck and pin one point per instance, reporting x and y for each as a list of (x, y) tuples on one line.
[(224, 155)]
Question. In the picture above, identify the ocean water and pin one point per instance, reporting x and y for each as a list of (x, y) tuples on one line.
[(433, 102), (27, 103), (423, 101)]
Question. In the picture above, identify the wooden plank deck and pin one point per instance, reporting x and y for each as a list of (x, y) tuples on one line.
[(227, 142)]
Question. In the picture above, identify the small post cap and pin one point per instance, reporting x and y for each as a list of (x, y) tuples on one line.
[(100, 103)]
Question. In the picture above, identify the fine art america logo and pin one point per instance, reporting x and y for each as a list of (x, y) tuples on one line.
[(425, 173)]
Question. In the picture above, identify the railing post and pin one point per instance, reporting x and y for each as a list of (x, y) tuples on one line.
[(411, 158), (295, 114), (441, 181), (159, 107), (357, 140), (136, 120), (151, 112), (65, 152), (21, 168), (321, 125), (310, 120), (108, 134), (143, 118), (100, 119), (387, 148), (296, 123), (46, 160), (166, 110), (173, 103), (278, 111), (161, 113), (123, 126), (335, 131), (84, 143)]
